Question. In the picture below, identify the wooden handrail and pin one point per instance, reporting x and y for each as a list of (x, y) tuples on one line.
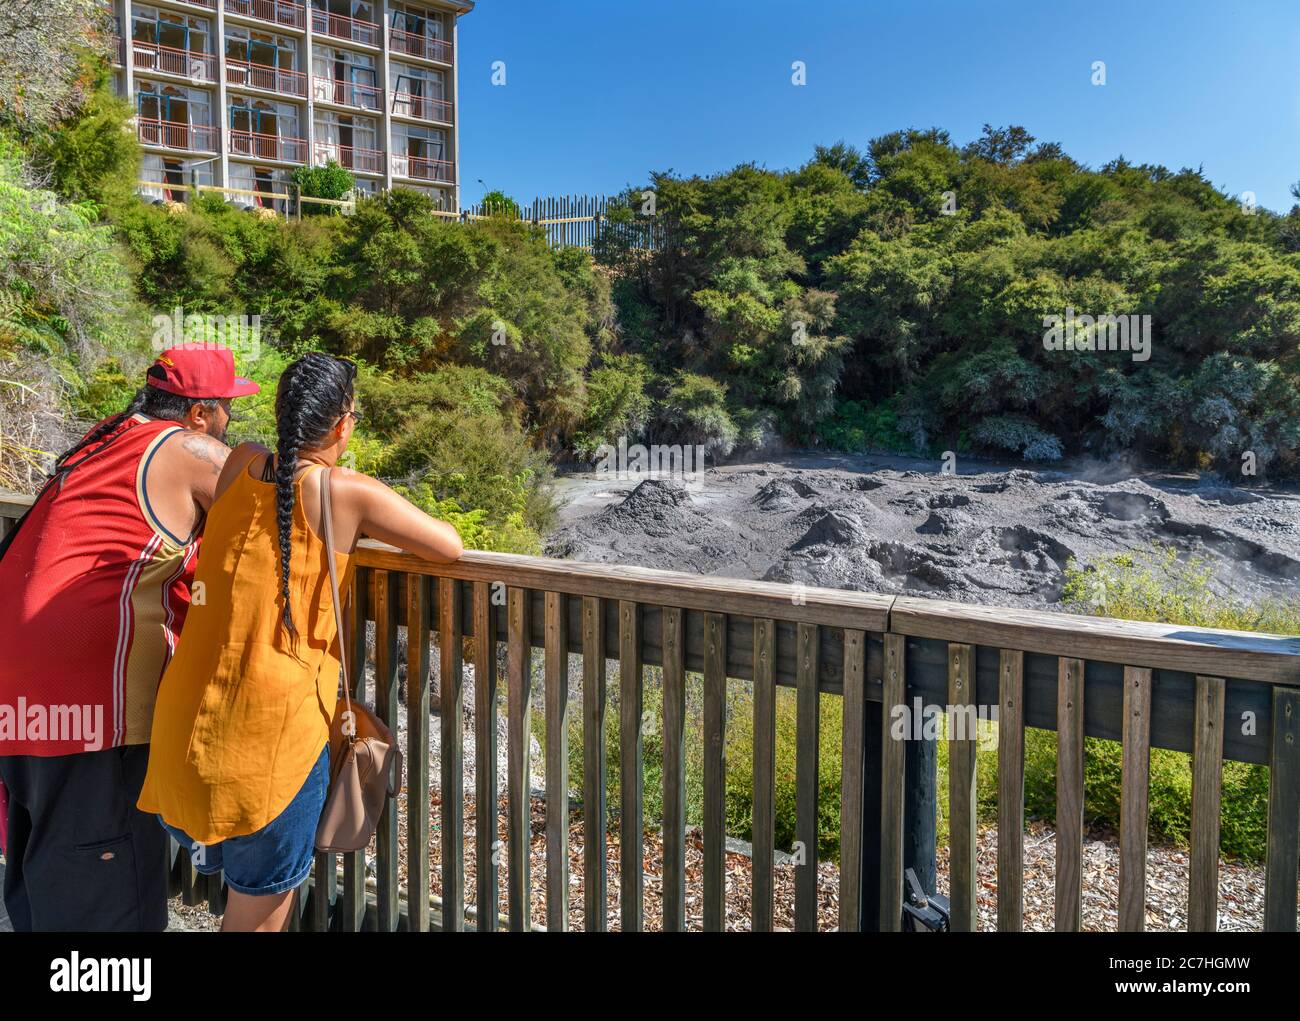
[(1248, 655), (1144, 685)]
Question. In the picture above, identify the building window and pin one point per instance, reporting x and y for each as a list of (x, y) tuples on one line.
[(265, 129), (345, 78), (349, 141), (173, 43)]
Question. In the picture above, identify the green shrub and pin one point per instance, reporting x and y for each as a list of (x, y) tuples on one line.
[(618, 404), (328, 182), (857, 427)]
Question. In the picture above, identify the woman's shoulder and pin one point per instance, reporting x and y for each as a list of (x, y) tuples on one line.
[(237, 462)]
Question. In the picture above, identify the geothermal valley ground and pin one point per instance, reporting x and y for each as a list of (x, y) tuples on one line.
[(990, 533)]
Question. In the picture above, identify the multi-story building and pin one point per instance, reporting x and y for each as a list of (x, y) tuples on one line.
[(237, 93)]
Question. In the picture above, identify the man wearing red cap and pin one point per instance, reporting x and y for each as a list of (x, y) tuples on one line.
[(96, 579)]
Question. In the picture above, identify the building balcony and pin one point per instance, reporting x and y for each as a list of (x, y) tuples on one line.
[(244, 75), (417, 168), (281, 148), (339, 26), (174, 135), (284, 13), (414, 45), (117, 50), (345, 93), (424, 108), (197, 67), (354, 158)]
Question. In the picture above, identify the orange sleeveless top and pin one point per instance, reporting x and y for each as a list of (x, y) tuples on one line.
[(244, 707)]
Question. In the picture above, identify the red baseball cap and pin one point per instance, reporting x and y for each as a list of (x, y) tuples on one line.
[(201, 371)]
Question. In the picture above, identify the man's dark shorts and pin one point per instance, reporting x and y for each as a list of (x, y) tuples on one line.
[(81, 857)]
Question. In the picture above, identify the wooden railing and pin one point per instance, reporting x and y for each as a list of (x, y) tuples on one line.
[(346, 93), (278, 12), (419, 168), (284, 148), (200, 67), (1145, 685), (416, 45), (340, 26), (425, 108), (243, 74), (174, 135), (358, 158)]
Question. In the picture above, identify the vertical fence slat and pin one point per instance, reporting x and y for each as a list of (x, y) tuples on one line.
[(417, 752), (1135, 774), (1011, 790), (631, 825), (807, 746), (961, 789), (1069, 795), (593, 764), (674, 744), (715, 771), (189, 879), (852, 776), (893, 767), (451, 710), (324, 887), (764, 825), (353, 907), (519, 676), (1207, 780), (386, 709), (1283, 813), (557, 765), (485, 758)]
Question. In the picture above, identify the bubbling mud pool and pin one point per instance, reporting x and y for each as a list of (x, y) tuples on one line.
[(991, 534)]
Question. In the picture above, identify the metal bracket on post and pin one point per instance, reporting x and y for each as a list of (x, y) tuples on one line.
[(922, 913)]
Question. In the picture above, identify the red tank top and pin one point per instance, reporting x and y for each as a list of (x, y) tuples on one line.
[(94, 592)]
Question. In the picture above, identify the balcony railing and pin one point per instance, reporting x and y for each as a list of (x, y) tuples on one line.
[(279, 12), (173, 135), (420, 169), (1143, 685), (198, 67), (345, 93), (358, 158), (401, 41), (407, 104), (117, 50), (268, 147), (340, 26), (243, 74)]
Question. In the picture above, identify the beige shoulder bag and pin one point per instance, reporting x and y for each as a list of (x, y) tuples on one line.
[(365, 762)]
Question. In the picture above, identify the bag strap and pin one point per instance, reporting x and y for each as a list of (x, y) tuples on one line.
[(327, 527)]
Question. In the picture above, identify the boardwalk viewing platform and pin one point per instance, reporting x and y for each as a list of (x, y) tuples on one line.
[(1215, 695)]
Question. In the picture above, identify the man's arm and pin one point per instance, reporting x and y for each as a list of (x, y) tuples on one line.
[(201, 461)]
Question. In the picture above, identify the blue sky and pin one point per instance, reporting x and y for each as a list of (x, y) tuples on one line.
[(600, 92)]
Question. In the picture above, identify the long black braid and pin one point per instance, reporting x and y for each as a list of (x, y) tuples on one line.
[(314, 393)]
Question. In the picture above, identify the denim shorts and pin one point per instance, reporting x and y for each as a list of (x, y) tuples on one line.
[(275, 858)]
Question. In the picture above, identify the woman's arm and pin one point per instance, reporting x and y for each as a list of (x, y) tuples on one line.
[(384, 515)]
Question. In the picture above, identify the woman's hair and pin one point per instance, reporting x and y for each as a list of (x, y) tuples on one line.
[(314, 393), (148, 400)]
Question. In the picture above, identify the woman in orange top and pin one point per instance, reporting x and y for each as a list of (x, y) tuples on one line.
[(239, 765)]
